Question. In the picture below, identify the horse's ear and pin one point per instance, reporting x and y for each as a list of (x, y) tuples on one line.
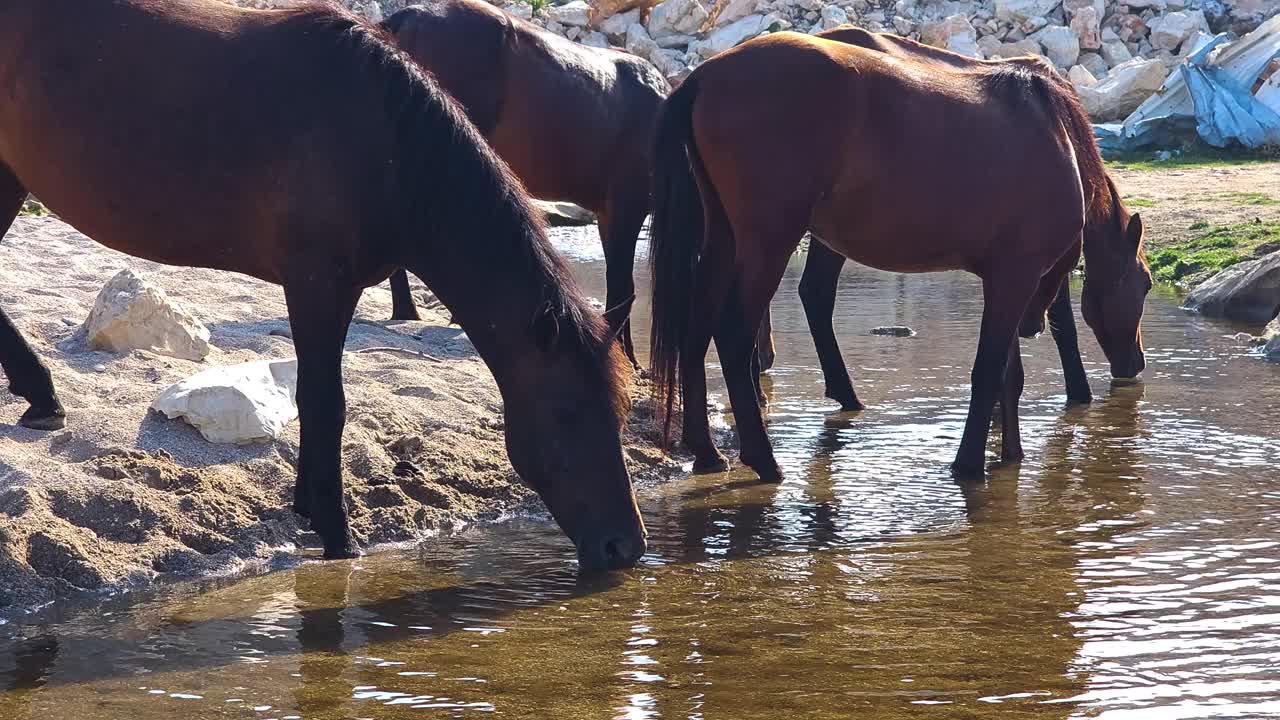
[(546, 328), (617, 317), (1133, 233)]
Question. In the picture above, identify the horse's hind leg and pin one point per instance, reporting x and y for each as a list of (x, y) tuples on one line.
[(766, 353), (402, 305), (818, 295), (320, 315), (711, 279), (1014, 380), (619, 230), (28, 377), (1062, 323)]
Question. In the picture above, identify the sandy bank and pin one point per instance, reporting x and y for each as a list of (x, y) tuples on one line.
[(123, 495)]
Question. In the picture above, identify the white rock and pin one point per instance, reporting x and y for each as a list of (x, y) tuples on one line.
[(638, 41), (1087, 25), (722, 39), (1061, 45), (1115, 53), (834, 16), (595, 39), (616, 25), (1155, 4), (1018, 11), (238, 404), (1169, 32), (735, 10), (1094, 63), (954, 33), (1080, 76), (675, 41), (573, 14), (676, 17), (1124, 89), (668, 62), (524, 11), (132, 314)]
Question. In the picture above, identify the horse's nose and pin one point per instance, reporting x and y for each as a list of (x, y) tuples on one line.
[(611, 552)]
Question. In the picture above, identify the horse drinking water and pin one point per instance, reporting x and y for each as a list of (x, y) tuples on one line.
[(575, 123), (902, 165), (301, 148), (822, 265)]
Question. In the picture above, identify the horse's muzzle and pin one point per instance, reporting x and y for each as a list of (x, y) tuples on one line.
[(611, 551), (1127, 371)]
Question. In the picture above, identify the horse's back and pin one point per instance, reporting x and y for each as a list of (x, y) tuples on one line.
[(891, 152), (216, 118), (463, 44)]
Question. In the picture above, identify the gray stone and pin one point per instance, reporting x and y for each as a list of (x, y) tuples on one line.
[(1169, 32), (616, 25), (1094, 63), (1248, 291)]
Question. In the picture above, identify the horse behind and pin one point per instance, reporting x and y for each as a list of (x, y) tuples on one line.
[(823, 265), (299, 147), (901, 165), (574, 123)]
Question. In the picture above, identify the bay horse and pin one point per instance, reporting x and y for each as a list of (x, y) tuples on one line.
[(901, 165), (574, 123), (302, 148), (823, 265)]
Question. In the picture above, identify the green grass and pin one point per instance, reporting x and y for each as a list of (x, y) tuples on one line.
[(1249, 198), (1197, 156), (1139, 201), (537, 4), (1198, 225), (34, 208), (1217, 248)]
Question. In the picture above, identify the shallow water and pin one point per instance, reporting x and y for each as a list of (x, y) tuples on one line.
[(1129, 568)]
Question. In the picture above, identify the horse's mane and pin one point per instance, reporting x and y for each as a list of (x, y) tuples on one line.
[(1032, 79), (452, 183)]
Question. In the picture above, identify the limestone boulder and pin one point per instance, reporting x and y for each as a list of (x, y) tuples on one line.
[(1061, 45), (1168, 32), (1248, 291), (1128, 85), (240, 404), (1020, 11), (676, 17), (955, 33), (133, 314), (572, 14)]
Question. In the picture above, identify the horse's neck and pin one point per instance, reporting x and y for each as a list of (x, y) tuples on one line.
[(487, 291)]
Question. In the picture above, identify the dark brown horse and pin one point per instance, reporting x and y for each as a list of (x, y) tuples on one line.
[(575, 123), (300, 147), (823, 265), (901, 165)]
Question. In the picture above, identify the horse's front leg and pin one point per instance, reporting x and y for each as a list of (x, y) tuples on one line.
[(320, 312), (402, 305), (1006, 295)]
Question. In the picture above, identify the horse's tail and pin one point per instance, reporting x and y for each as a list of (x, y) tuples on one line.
[(675, 238)]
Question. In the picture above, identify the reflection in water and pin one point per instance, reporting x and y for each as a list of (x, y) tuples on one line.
[(1127, 569)]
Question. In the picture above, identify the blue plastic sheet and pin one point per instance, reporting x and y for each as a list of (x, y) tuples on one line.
[(1209, 96)]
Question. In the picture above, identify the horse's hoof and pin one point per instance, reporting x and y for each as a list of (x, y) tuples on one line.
[(967, 471), (345, 551), (43, 419), (771, 475), (1079, 399), (1011, 458), (413, 316), (718, 464)]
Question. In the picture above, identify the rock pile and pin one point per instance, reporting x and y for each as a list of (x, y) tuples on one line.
[(1116, 52)]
